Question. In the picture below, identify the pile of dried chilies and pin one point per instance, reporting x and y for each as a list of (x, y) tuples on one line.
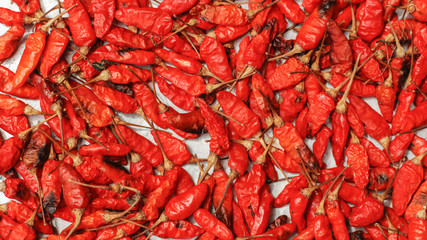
[(258, 104)]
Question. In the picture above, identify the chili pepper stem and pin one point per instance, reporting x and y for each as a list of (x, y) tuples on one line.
[(120, 234), (231, 177), (191, 43), (353, 32), (277, 120), (381, 230), (205, 72), (45, 27), (83, 134), (333, 196), (192, 22), (321, 208), (255, 236), (103, 76), (228, 117), (252, 13), (30, 221), (108, 217), (297, 49), (133, 222), (342, 104), (413, 130), (316, 64), (383, 196), (400, 51), (419, 159), (305, 59), (212, 160), (308, 191), (22, 135), (78, 213)]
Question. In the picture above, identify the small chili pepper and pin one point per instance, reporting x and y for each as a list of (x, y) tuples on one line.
[(294, 145), (418, 146), (380, 178), (291, 10), (9, 41), (27, 91), (307, 233), (344, 18), (103, 13), (408, 178), (177, 7), (211, 224), (335, 214), (80, 24), (417, 203), (358, 88), (322, 139), (148, 19), (357, 157), (176, 151), (213, 53), (51, 186), (369, 16), (283, 78), (405, 99), (178, 45), (375, 124), (11, 18), (192, 84), (177, 230), (228, 33), (418, 10), (28, 7), (116, 99), (125, 38), (399, 145), (12, 106), (16, 188), (283, 161), (239, 227), (297, 183), (294, 100), (118, 54), (415, 118), (360, 217), (37, 149), (223, 196), (352, 194), (418, 226), (263, 213)]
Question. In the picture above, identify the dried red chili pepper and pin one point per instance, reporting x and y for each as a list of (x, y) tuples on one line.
[(211, 224), (377, 158), (222, 197), (148, 19), (118, 54), (178, 45), (283, 78), (28, 7), (177, 230), (375, 124), (213, 53), (291, 10), (360, 217), (369, 16), (418, 226), (16, 188), (357, 157), (417, 203), (51, 186), (239, 226), (293, 102), (415, 118), (192, 84), (322, 139), (103, 13), (80, 25), (408, 178), (123, 37), (9, 41)]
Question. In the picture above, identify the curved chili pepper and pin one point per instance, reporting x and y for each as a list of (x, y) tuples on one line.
[(358, 88), (27, 174), (294, 100), (408, 178), (27, 91), (178, 45), (377, 158), (211, 224), (16, 188), (177, 230), (148, 19), (28, 7), (284, 161), (103, 13), (361, 216), (415, 118), (9, 41), (352, 194), (224, 206), (291, 10), (322, 139), (80, 24), (118, 54), (239, 227), (116, 99), (192, 122), (399, 145), (405, 100), (262, 214), (51, 186), (125, 38), (11, 18), (176, 151), (283, 78), (372, 68), (234, 107), (323, 105), (358, 159), (369, 16), (228, 33), (13, 124), (419, 146), (341, 53), (418, 202), (213, 53), (55, 47), (375, 124), (177, 7), (192, 84)]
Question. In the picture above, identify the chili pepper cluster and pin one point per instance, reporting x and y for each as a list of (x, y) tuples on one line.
[(259, 104)]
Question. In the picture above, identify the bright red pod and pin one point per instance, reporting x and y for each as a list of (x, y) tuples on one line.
[(9, 41), (184, 205), (114, 149), (148, 102), (211, 224), (294, 100), (283, 78), (103, 11), (176, 95), (377, 157), (123, 37), (55, 47), (369, 15), (28, 7), (369, 211), (10, 18), (399, 145), (27, 91), (121, 75), (174, 7), (148, 19), (419, 12), (215, 14), (238, 158), (177, 230), (372, 68), (192, 84), (178, 45), (236, 108), (322, 139), (120, 55), (291, 10), (80, 24), (13, 124), (317, 116), (114, 98), (213, 53), (357, 157), (184, 63), (418, 146), (228, 33), (175, 149)]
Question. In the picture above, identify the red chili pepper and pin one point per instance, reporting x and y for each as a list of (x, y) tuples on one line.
[(357, 157), (418, 226), (224, 207), (418, 146), (118, 54), (11, 18), (148, 19), (51, 186), (177, 230), (28, 7), (371, 69), (284, 161), (80, 24), (358, 88), (323, 105), (361, 216), (352, 194), (418, 10), (341, 53), (408, 178), (114, 98), (103, 11), (399, 145), (307, 233), (283, 78), (322, 139), (370, 23), (177, 7), (405, 100), (123, 37), (178, 45), (415, 118), (377, 158), (119, 74), (418, 202), (211, 224), (9, 41), (344, 18), (192, 84), (291, 10), (16, 188), (228, 33), (375, 124), (263, 213), (239, 226), (294, 100), (213, 53), (55, 47), (27, 91), (176, 150)]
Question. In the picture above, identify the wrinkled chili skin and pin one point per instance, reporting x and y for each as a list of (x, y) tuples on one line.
[(213, 53), (75, 196), (80, 24), (184, 205), (210, 223), (368, 212), (9, 41), (123, 37), (148, 19), (51, 186), (177, 230), (10, 152), (380, 178), (369, 14)]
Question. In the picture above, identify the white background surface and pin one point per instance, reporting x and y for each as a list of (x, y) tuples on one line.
[(197, 146)]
